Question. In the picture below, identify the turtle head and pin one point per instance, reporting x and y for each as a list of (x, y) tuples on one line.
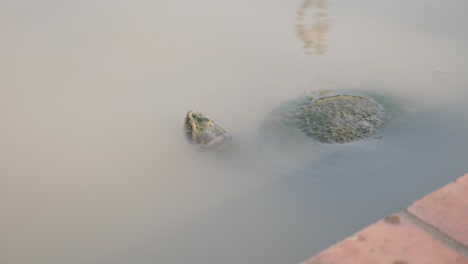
[(195, 122), (202, 130)]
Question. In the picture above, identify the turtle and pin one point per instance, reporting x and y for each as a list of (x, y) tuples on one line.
[(324, 116), (332, 128)]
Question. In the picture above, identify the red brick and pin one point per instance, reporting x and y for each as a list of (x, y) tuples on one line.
[(392, 240), (446, 209)]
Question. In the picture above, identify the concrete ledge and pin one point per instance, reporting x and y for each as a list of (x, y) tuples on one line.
[(433, 230)]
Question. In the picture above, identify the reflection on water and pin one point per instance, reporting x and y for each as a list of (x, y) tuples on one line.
[(93, 165), (313, 25)]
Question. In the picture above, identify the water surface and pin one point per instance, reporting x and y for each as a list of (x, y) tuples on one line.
[(94, 166)]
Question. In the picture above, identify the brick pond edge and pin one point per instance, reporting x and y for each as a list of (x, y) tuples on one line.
[(432, 230)]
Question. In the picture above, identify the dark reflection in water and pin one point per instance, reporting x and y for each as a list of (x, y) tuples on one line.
[(313, 25)]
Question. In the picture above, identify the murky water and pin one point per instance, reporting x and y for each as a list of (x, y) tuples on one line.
[(93, 164)]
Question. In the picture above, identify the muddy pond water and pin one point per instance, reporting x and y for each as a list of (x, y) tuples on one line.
[(94, 167)]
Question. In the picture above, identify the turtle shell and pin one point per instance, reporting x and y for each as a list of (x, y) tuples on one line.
[(328, 116), (341, 118)]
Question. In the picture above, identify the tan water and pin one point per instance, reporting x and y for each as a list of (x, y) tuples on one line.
[(93, 164)]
